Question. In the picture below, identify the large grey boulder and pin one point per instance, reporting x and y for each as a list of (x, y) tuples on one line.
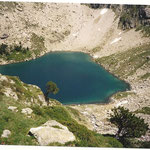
[(6, 134), (52, 132)]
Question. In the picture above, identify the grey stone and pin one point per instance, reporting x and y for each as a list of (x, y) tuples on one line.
[(51, 132), (27, 111), (13, 108), (6, 134)]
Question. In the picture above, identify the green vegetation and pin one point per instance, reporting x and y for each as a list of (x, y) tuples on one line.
[(121, 95), (37, 43), (126, 63), (129, 126), (14, 52), (144, 29), (84, 136), (19, 53), (96, 49), (58, 127), (75, 113), (144, 110), (23, 91), (19, 124), (145, 76), (51, 87)]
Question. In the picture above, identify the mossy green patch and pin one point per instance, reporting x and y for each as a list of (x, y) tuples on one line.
[(126, 63), (144, 110), (37, 43), (145, 76), (121, 95)]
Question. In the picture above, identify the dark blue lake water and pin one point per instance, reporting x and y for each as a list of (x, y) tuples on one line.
[(79, 79)]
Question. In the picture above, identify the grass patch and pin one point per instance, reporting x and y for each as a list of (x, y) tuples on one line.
[(73, 111), (145, 76), (96, 49), (144, 110), (57, 127), (37, 43), (19, 124), (121, 95), (14, 52), (24, 92), (84, 136), (144, 29), (19, 56), (126, 63)]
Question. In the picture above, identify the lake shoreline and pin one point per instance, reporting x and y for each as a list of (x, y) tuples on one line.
[(109, 100)]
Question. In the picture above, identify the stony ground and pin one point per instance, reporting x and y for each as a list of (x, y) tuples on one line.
[(61, 26)]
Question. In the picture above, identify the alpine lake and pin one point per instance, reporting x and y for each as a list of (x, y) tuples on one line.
[(79, 79)]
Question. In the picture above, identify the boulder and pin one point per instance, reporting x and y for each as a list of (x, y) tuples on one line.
[(27, 111), (51, 132), (6, 134), (147, 12), (13, 108)]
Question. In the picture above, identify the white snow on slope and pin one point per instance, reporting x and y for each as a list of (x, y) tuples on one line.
[(115, 40), (75, 34), (95, 56), (103, 11)]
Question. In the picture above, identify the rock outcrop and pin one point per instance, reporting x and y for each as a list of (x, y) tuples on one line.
[(52, 132)]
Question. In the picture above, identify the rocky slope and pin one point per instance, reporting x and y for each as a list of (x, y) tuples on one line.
[(44, 27), (26, 119)]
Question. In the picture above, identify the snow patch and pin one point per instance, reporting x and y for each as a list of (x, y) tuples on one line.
[(103, 11), (95, 56), (120, 33), (115, 40)]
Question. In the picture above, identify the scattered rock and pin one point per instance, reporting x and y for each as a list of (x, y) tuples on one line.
[(4, 36), (10, 93), (13, 108), (27, 111), (6, 134), (3, 78), (148, 57), (51, 132)]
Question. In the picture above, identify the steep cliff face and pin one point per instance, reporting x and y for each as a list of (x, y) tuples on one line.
[(134, 16), (130, 16)]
